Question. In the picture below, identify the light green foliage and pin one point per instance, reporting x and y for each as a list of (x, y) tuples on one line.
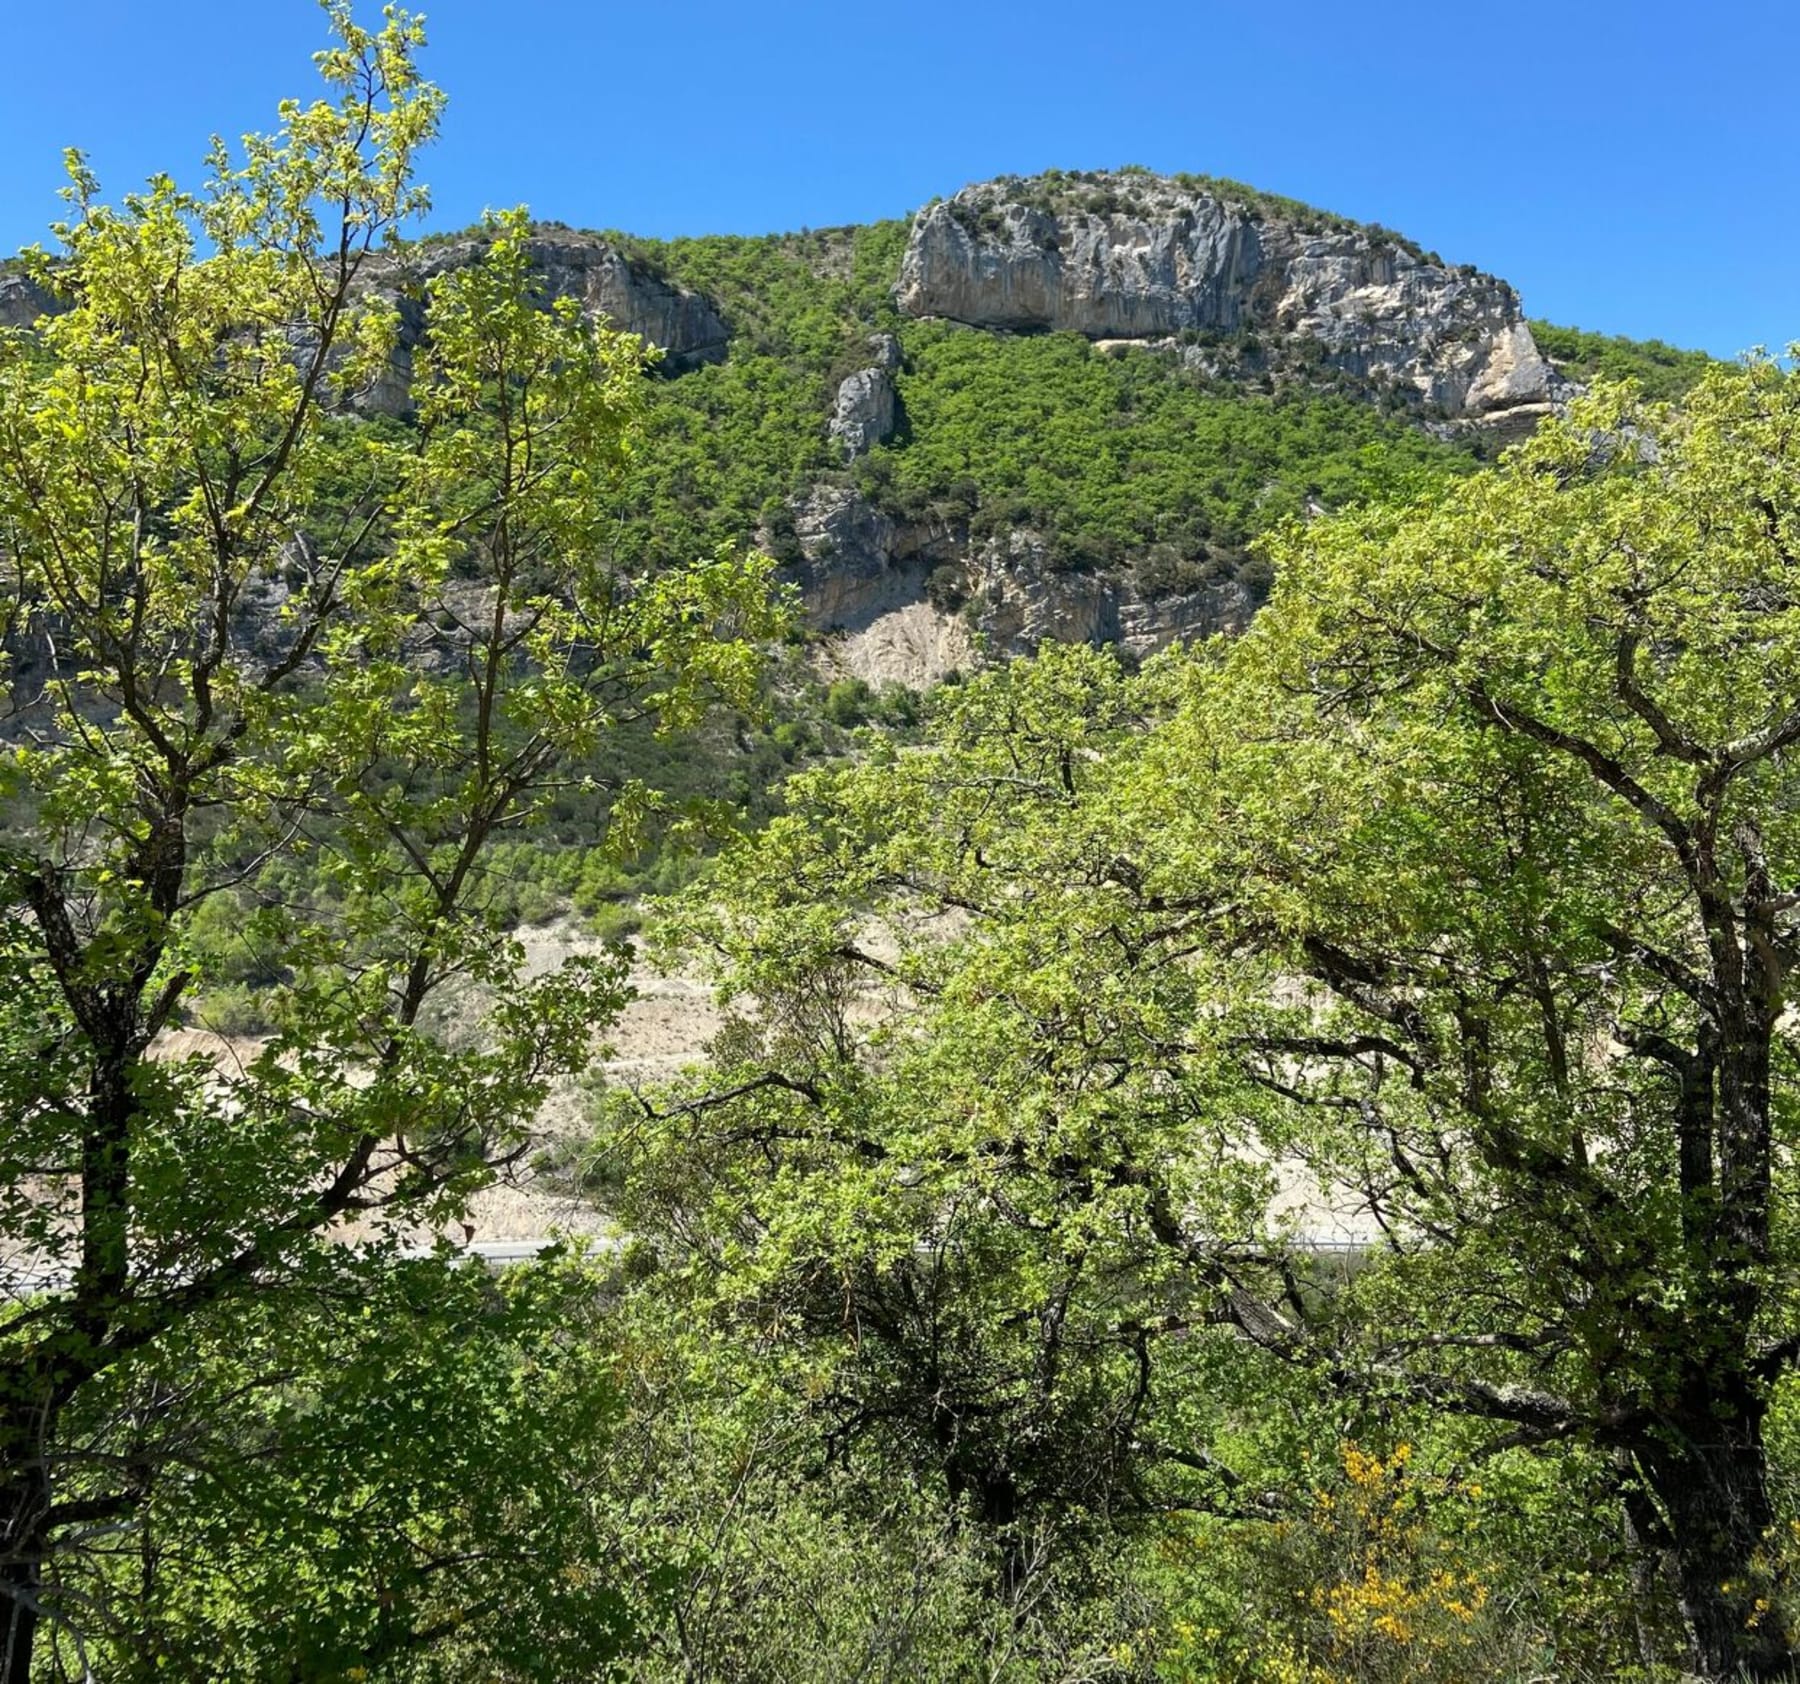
[(971, 1201), (318, 673), (970, 1165), (1459, 887), (398, 1474), (757, 1551), (961, 1332), (1510, 779)]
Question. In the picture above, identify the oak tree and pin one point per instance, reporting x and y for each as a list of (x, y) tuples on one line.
[(1509, 780), (310, 669)]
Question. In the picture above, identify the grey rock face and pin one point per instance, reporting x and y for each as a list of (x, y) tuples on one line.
[(609, 285), (987, 259), (865, 411), (849, 572), (864, 576), (22, 301), (1023, 601), (1168, 258), (684, 324)]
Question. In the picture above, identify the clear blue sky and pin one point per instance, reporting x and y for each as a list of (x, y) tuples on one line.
[(1631, 167)]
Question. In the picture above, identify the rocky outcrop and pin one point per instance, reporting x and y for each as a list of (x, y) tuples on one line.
[(865, 580), (849, 569), (1133, 256), (22, 300), (685, 325), (867, 409), (864, 413), (608, 285), (1020, 599)]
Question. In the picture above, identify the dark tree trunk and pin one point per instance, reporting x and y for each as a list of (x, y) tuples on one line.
[(19, 1584), (1710, 1474), (997, 1507), (1647, 1539), (31, 1400), (24, 1509)]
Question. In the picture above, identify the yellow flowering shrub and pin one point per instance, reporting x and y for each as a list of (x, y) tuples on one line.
[(1380, 1578)]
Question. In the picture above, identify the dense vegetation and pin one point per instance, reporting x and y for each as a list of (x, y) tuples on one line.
[(1120, 457), (973, 1311), (246, 679), (1107, 456), (1507, 779), (727, 444), (1661, 370)]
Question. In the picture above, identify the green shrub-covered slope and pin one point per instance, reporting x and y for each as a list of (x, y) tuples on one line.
[(1123, 456), (1126, 458), (1108, 454), (1662, 370), (1119, 458)]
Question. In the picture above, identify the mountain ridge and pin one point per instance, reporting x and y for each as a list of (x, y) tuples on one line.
[(942, 490), (1056, 406)]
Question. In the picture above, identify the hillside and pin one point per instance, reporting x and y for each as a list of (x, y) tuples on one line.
[(1263, 1165), (1062, 406), (1059, 407)]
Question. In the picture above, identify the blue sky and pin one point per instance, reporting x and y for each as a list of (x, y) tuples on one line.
[(1629, 167)]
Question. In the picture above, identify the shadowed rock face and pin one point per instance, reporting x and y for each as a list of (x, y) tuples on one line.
[(22, 301), (1166, 258), (606, 283), (684, 324), (864, 579)]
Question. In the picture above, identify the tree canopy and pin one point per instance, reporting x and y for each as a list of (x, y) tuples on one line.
[(1270, 1166), (240, 636), (1452, 903)]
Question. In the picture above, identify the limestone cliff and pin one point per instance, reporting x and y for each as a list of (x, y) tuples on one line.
[(1128, 255), (22, 300), (912, 604), (850, 424), (683, 323), (607, 284)]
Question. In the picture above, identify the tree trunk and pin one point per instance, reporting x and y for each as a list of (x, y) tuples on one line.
[(1709, 1472), (1647, 1539), (19, 1585), (24, 1507)]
